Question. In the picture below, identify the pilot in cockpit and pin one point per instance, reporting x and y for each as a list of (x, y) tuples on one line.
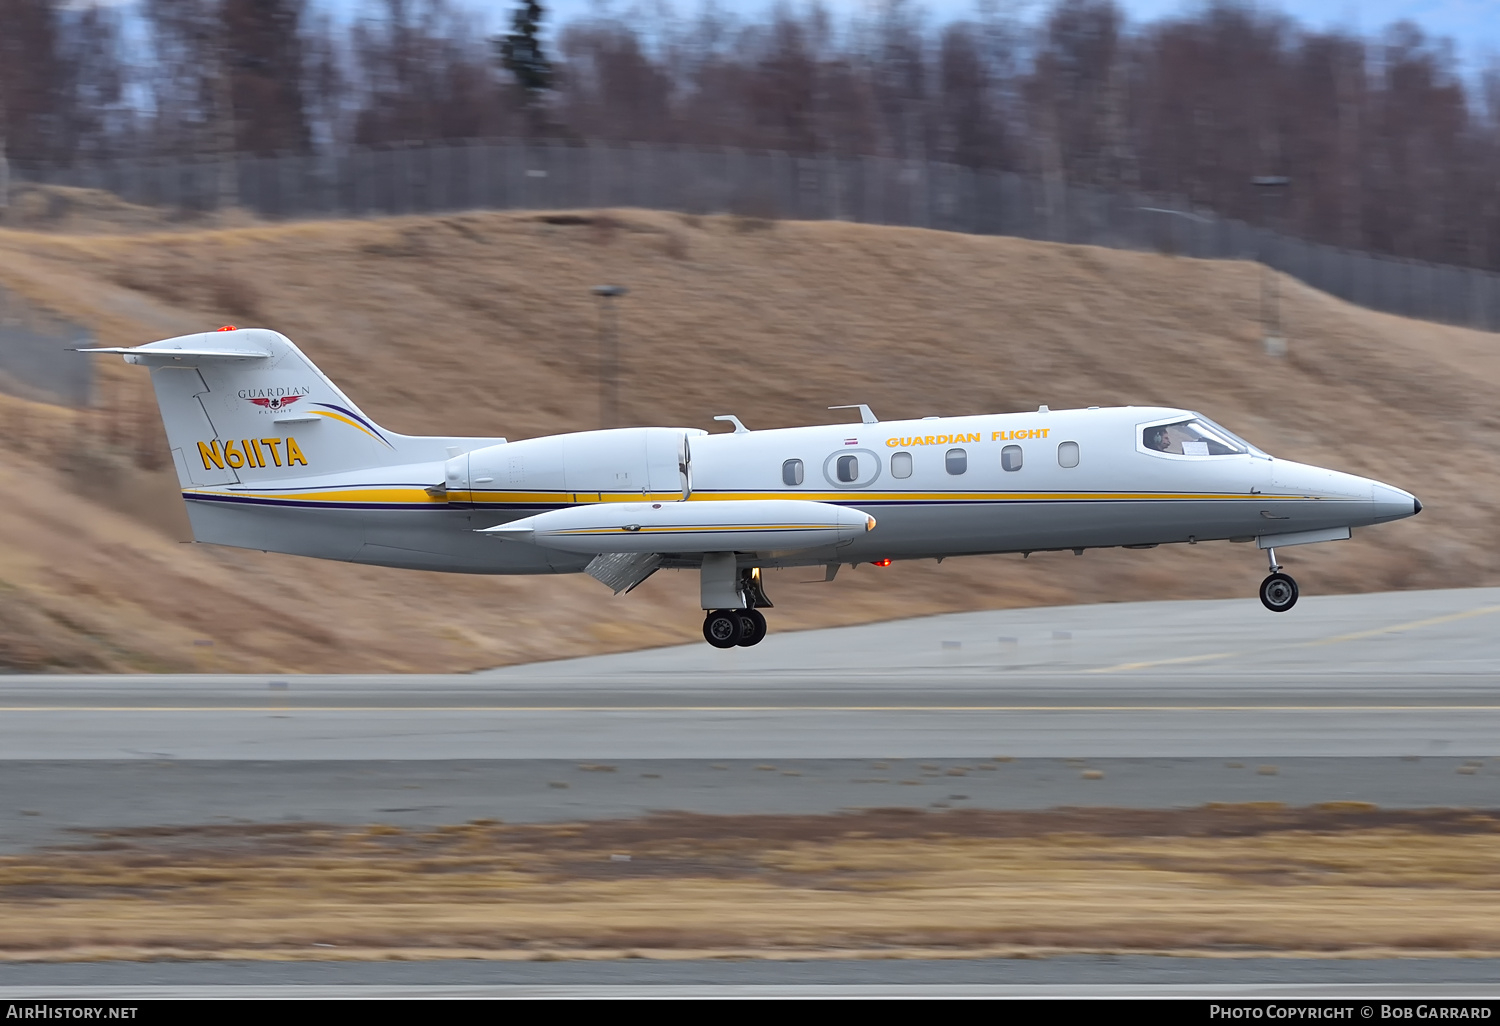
[(1158, 438)]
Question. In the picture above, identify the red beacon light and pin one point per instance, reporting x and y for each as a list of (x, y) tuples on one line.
[(880, 562), (227, 327)]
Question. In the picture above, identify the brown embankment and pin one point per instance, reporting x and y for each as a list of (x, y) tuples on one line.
[(483, 323)]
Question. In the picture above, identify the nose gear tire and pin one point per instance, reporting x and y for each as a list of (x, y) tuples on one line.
[(1278, 593)]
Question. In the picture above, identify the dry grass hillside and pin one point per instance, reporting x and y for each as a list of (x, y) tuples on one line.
[(483, 323), (1342, 879)]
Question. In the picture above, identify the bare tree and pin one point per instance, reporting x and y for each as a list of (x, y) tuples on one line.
[(423, 71), (32, 81), (1389, 146), (266, 65)]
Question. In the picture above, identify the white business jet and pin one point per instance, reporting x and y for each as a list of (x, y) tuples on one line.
[(272, 455)]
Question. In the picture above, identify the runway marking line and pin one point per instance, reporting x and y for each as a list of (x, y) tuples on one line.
[(1334, 640), (1413, 625), (280, 710), (1162, 662)]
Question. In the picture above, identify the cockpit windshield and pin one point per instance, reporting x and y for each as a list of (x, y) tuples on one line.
[(1193, 437)]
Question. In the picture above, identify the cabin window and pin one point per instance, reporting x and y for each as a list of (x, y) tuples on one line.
[(791, 472), (848, 469), (1194, 437), (901, 464), (1067, 454), (956, 461), (1010, 457)]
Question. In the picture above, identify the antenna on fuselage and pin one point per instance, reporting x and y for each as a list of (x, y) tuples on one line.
[(865, 416)]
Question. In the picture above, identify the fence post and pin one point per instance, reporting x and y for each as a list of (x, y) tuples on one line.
[(592, 172), (870, 209), (480, 175), (362, 180), (169, 184), (559, 167), (292, 184), (924, 192), (461, 167), (439, 167), (500, 187), (829, 174), (777, 205), (464, 159)]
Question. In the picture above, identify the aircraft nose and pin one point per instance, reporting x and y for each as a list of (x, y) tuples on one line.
[(1394, 504)]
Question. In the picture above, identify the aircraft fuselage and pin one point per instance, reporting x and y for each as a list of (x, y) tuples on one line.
[(956, 498)]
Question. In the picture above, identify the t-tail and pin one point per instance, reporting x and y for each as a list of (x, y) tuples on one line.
[(255, 427)]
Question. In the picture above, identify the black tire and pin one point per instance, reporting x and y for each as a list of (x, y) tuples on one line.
[(1278, 593), (752, 627), (721, 628)]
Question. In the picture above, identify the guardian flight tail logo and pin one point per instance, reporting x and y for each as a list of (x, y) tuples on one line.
[(274, 399), (274, 402)]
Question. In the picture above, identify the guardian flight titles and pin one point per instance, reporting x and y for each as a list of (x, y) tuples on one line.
[(972, 436)]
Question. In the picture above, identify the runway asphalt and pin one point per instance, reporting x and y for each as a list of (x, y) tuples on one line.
[(1392, 699), (61, 802), (1397, 674), (1066, 976)]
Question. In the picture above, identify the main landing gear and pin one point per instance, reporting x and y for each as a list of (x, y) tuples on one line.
[(1278, 592), (727, 628), (731, 595)]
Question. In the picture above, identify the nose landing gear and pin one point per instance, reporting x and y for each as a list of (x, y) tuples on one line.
[(1278, 592)]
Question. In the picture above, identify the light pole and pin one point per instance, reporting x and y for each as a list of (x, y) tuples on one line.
[(609, 355), (1271, 188), (4, 170)]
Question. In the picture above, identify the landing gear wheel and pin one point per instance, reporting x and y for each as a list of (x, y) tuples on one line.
[(721, 628), (752, 627), (1278, 593)]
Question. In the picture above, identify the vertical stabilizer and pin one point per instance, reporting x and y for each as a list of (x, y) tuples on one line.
[(247, 404)]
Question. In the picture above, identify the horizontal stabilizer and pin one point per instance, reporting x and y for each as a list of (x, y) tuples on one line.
[(134, 354)]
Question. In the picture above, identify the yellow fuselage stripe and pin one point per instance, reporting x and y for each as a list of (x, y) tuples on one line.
[(420, 496)]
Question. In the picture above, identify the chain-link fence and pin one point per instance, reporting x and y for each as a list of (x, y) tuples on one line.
[(874, 190)]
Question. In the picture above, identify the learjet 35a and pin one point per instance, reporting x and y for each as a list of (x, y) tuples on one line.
[(272, 455)]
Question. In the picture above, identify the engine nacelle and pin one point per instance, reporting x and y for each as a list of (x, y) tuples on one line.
[(708, 526)]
